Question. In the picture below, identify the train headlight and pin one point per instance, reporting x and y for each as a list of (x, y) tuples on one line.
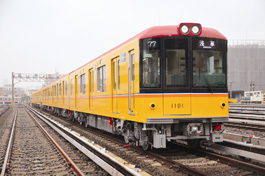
[(191, 29), (184, 29), (195, 29)]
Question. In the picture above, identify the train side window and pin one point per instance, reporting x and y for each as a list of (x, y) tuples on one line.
[(60, 89), (104, 78), (119, 75), (83, 83), (72, 87), (101, 79), (133, 67), (54, 89)]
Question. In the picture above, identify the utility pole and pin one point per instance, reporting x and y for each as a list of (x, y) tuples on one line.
[(13, 85)]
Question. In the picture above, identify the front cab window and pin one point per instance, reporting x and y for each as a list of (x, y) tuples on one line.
[(150, 62), (209, 61)]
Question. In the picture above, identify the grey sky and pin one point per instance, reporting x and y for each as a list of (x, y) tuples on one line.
[(44, 36)]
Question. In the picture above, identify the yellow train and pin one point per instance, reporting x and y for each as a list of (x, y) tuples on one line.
[(166, 83)]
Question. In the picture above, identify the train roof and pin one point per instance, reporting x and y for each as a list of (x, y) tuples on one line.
[(171, 31), (158, 31)]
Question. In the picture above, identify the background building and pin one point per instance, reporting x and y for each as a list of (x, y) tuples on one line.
[(246, 63), (6, 94)]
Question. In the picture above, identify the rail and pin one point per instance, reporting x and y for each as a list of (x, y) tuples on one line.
[(9, 147), (70, 161)]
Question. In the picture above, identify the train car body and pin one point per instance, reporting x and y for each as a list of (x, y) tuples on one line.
[(166, 83)]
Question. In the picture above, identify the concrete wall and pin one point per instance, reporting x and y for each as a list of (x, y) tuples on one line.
[(246, 65)]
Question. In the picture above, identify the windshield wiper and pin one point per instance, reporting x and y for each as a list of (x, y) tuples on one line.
[(207, 81)]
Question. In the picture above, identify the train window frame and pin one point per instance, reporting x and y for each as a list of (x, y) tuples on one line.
[(60, 89), (101, 78), (72, 86), (83, 83), (146, 45), (54, 90)]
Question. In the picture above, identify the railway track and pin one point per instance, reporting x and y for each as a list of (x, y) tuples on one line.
[(32, 150), (251, 112), (100, 155), (177, 161), (3, 109), (245, 125), (5, 128)]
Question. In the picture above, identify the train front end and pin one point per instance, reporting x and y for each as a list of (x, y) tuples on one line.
[(183, 85)]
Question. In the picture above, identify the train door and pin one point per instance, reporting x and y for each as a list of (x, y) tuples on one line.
[(177, 100), (43, 97), (57, 93), (114, 83), (69, 94), (62, 92), (75, 91), (52, 95), (131, 82), (91, 88)]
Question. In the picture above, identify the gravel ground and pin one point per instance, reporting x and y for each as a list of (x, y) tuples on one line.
[(32, 152)]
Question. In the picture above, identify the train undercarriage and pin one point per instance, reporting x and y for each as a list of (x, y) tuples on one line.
[(153, 134)]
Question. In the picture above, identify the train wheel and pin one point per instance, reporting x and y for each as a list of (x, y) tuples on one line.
[(126, 137), (86, 124), (146, 146)]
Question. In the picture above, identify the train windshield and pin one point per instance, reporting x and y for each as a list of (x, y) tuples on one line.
[(209, 58), (183, 64)]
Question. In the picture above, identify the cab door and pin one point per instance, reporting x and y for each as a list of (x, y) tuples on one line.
[(177, 100), (131, 82)]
